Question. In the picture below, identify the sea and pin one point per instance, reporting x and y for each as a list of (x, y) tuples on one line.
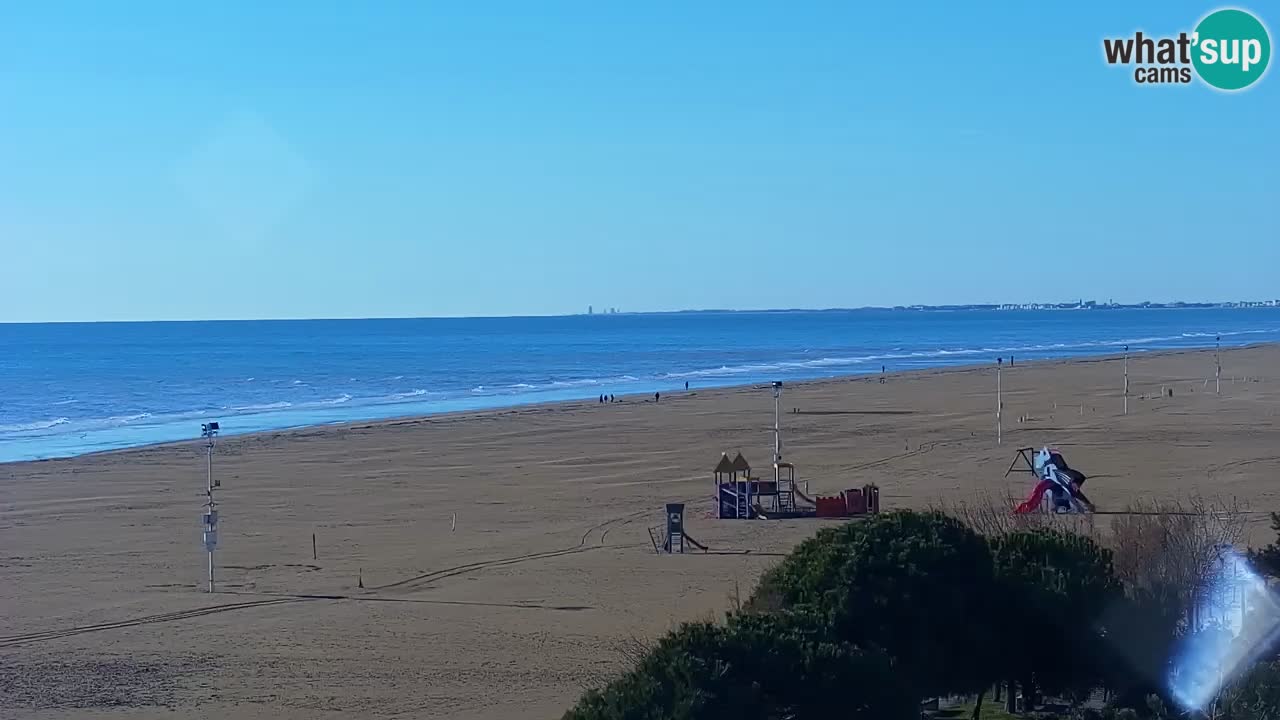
[(72, 388)]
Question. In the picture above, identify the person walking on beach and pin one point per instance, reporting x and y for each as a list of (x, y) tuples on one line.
[(686, 384), (611, 398), (882, 374), (657, 397)]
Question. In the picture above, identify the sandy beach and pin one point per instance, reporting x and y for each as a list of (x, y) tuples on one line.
[(504, 555)]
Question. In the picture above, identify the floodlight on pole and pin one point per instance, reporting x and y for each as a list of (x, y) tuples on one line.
[(777, 428), (1217, 363), (1126, 379), (209, 431), (999, 403)]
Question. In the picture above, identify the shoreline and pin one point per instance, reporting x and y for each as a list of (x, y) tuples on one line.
[(365, 424), (517, 543)]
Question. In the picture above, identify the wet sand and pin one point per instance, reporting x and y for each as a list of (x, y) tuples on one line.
[(548, 576)]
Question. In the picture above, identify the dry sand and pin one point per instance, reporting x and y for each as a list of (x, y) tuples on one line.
[(549, 575)]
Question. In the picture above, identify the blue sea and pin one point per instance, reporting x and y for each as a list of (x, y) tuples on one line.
[(67, 389)]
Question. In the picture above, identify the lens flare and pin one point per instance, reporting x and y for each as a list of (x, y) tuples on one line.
[(1236, 621)]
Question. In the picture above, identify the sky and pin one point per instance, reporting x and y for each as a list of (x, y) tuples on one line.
[(329, 159)]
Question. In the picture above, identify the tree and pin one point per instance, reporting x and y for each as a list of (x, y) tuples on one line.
[(1254, 696), (1143, 633), (1054, 590), (916, 585), (1267, 560), (755, 667)]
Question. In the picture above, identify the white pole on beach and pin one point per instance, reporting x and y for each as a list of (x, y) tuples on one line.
[(1126, 379), (999, 403), (1217, 362), (209, 486), (777, 431), (210, 520)]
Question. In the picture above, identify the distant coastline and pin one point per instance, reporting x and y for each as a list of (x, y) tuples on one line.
[(1078, 305)]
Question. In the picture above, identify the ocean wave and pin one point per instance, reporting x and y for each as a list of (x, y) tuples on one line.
[(728, 371), (377, 395), (334, 401), (262, 407), (127, 419), (34, 426)]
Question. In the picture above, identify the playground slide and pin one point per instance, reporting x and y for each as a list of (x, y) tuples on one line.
[(695, 543), (804, 497)]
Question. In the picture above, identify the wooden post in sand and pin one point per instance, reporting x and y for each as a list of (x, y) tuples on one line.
[(1126, 379), (999, 403)]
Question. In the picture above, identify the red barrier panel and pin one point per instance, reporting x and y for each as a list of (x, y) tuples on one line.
[(830, 507)]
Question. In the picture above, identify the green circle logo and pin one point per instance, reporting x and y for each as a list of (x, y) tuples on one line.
[(1232, 49)]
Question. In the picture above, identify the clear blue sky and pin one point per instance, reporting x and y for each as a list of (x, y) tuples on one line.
[(332, 159)]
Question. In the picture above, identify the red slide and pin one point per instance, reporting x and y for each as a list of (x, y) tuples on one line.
[(1033, 503)]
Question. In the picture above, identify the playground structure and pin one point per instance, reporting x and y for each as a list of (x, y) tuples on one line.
[(740, 496), (1058, 485)]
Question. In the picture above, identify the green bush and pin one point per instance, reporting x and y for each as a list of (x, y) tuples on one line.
[(753, 668), (915, 585), (1054, 589)]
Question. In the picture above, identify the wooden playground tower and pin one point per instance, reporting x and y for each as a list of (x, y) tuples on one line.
[(740, 496)]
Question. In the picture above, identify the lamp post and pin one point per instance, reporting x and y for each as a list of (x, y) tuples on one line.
[(1217, 362), (777, 430), (209, 431), (999, 403)]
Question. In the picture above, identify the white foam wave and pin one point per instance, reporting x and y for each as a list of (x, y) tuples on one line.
[(263, 407), (34, 426), (335, 401), (416, 392), (835, 362), (127, 419)]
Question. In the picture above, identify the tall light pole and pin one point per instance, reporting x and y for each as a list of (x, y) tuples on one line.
[(209, 431), (999, 403), (1126, 379), (1217, 362), (777, 430)]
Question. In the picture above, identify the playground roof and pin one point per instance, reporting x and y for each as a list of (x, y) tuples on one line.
[(740, 463), (725, 465)]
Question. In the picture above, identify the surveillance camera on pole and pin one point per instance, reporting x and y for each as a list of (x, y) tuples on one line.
[(209, 431)]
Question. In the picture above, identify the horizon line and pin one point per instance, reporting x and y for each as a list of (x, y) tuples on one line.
[(977, 306)]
